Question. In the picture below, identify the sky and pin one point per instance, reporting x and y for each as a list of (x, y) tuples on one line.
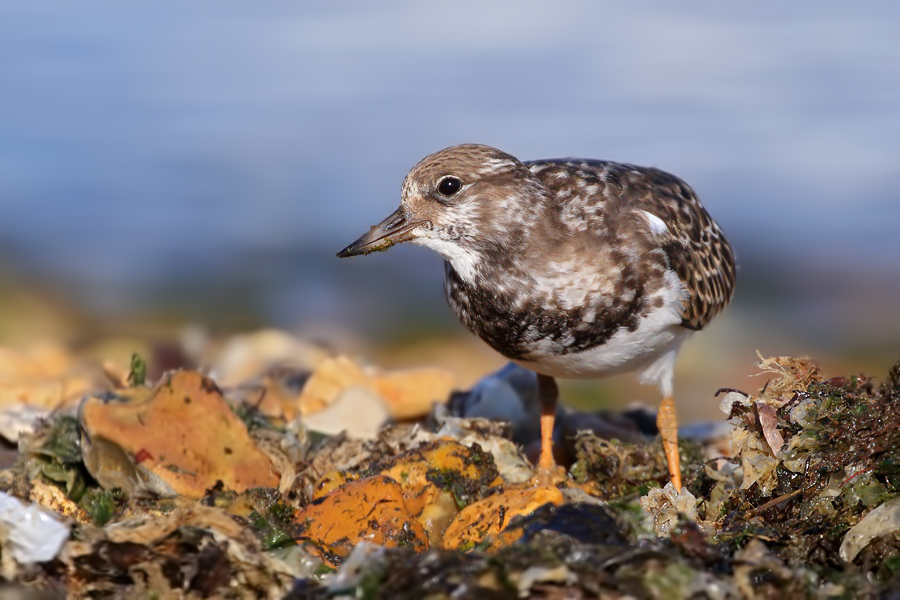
[(146, 145)]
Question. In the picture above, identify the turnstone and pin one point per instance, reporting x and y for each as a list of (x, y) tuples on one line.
[(570, 267)]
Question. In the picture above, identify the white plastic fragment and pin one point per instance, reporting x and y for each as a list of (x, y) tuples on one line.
[(883, 520), (34, 535), (728, 400), (17, 419)]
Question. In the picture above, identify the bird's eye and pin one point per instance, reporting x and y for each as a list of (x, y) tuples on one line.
[(449, 186)]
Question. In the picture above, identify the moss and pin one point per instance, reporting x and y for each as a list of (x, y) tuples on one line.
[(866, 490), (464, 490), (843, 438), (892, 565), (888, 470), (58, 439), (71, 478), (622, 469), (137, 373), (272, 519), (102, 505), (270, 534)]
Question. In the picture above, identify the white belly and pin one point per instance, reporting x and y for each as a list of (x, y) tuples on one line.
[(651, 348), (624, 352)]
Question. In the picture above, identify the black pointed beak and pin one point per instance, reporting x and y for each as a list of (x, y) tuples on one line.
[(393, 230)]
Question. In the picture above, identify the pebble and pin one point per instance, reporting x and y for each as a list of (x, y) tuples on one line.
[(357, 410), (509, 394)]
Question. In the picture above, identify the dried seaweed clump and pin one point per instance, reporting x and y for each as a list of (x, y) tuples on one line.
[(817, 455)]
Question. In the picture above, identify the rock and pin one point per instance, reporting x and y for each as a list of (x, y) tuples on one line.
[(509, 394), (434, 479), (45, 376), (182, 432), (369, 510), (881, 521), (54, 498), (357, 410), (527, 578), (331, 377), (274, 393), (486, 518), (411, 393), (603, 426), (251, 355), (288, 392), (588, 522), (510, 464), (17, 419), (437, 475)]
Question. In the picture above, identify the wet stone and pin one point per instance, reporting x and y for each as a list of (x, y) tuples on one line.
[(370, 510), (178, 438), (796, 496)]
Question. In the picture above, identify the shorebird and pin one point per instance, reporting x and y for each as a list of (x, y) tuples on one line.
[(571, 268)]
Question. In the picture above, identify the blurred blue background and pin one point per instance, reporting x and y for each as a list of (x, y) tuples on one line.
[(208, 159)]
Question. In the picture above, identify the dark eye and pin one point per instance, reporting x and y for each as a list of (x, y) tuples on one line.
[(449, 186)]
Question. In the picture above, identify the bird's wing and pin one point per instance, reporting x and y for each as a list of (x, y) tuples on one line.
[(694, 246)]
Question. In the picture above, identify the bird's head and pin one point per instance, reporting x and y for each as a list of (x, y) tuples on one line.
[(459, 202)]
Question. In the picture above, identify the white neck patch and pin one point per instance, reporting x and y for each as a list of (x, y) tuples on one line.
[(461, 259)]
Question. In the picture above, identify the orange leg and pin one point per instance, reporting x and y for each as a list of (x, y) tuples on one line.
[(667, 423), (548, 393)]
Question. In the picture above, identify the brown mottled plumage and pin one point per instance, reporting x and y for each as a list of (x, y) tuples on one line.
[(695, 247), (572, 268)]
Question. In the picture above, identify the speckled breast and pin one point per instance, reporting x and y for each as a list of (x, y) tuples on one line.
[(516, 325)]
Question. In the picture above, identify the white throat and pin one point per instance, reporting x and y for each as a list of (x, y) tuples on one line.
[(461, 259)]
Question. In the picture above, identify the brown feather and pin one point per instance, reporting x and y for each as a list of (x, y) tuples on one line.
[(694, 246)]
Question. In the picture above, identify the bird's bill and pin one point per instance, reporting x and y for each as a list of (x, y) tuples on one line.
[(393, 230)]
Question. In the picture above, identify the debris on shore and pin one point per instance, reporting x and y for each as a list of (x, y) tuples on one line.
[(276, 469)]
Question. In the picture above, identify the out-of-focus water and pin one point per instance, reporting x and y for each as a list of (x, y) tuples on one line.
[(157, 148)]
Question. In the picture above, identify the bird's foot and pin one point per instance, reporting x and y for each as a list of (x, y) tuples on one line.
[(551, 475)]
